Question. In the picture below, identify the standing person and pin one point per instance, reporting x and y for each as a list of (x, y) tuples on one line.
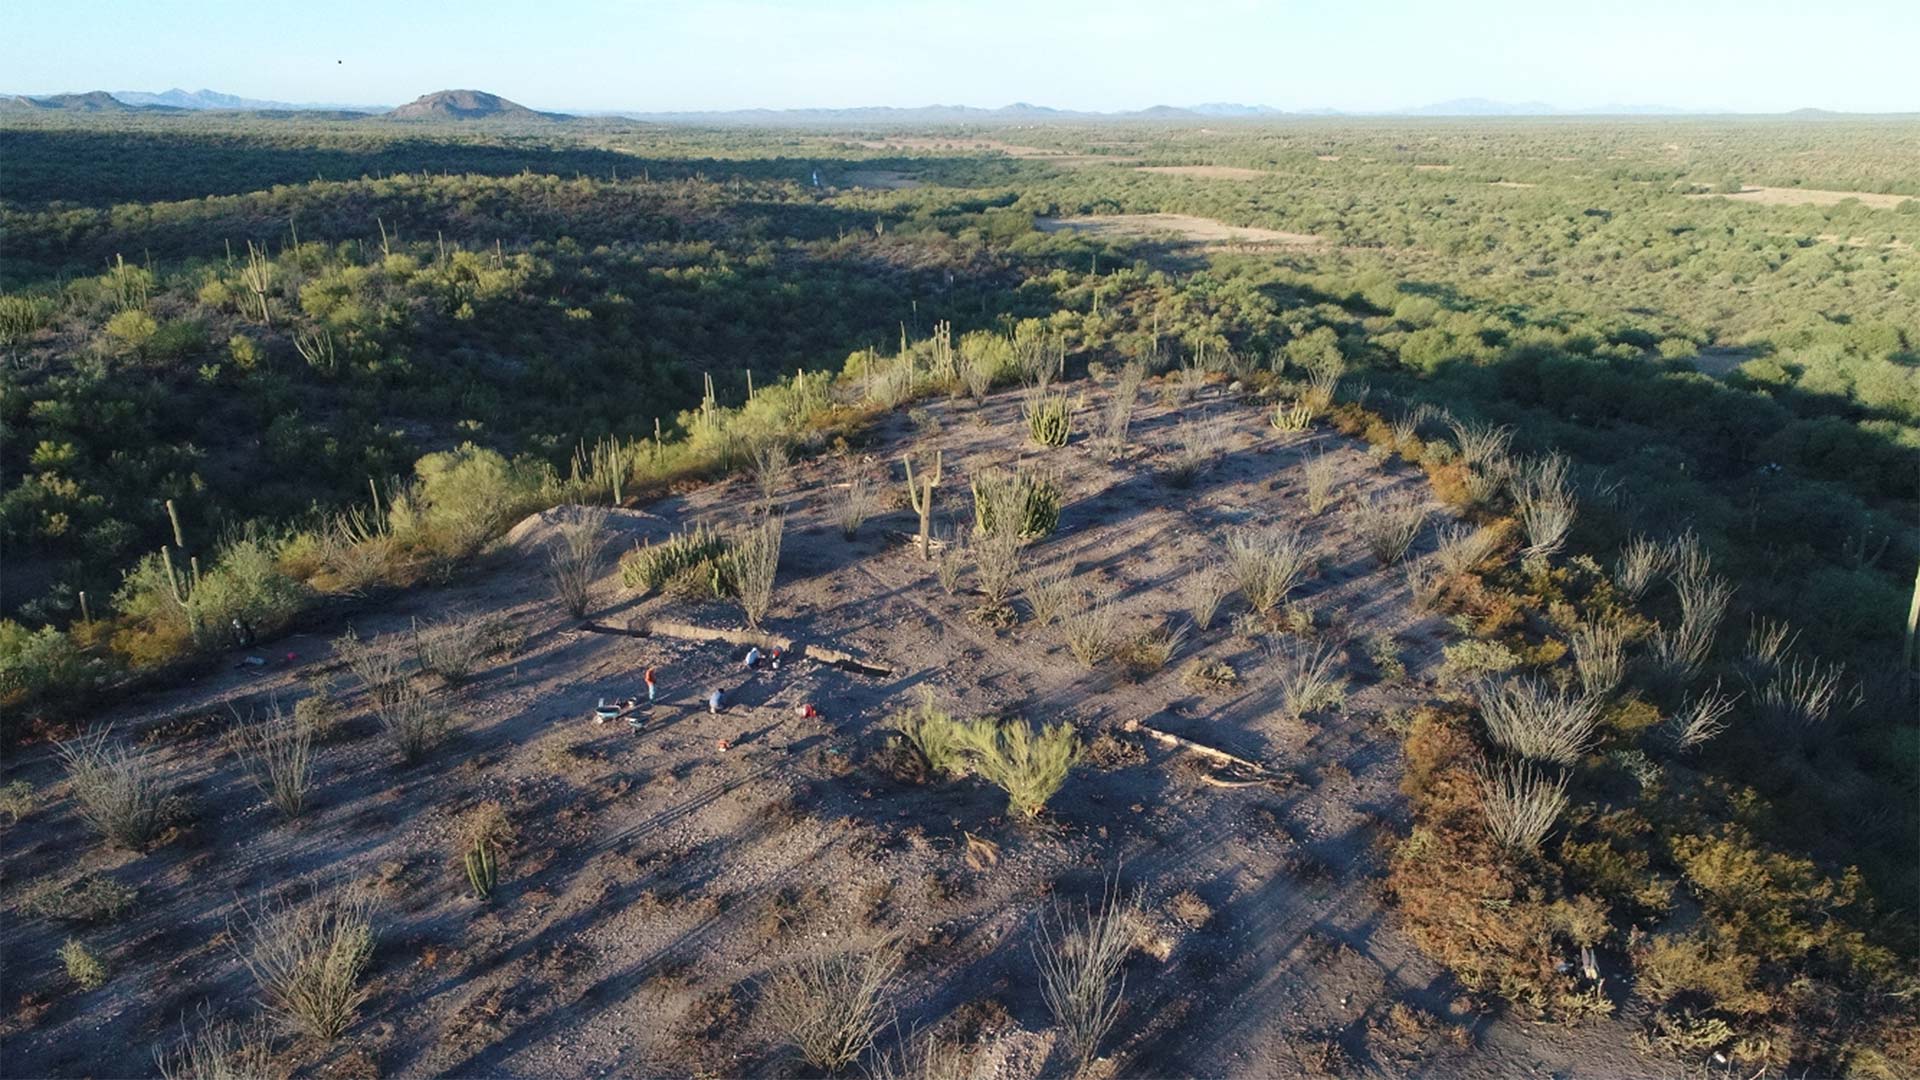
[(753, 657), (649, 681), (713, 701), (776, 658)]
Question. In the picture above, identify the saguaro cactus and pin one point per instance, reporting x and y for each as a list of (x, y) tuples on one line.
[(921, 495)]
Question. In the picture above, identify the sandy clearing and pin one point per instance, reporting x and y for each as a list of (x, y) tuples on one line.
[(1185, 226), (885, 179), (1208, 172), (661, 876), (1326, 157), (1511, 184), (1433, 168), (1778, 196)]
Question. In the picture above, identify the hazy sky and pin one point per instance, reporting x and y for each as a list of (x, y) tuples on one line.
[(1749, 55)]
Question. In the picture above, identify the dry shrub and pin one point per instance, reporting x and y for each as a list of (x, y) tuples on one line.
[(771, 465), (1204, 590), (752, 564), (218, 1050), (83, 965), (996, 565), (830, 1008), (927, 1056), (1466, 903), (1543, 496), (1319, 470), (1699, 719), (1210, 676), (1520, 803), (573, 561), (1267, 563), (1080, 954), (855, 505), (1679, 652), (412, 722), (1197, 444), (307, 960), (276, 751), (90, 898), (1388, 524), (1153, 650), (453, 647), (1462, 548), (1800, 697), (1600, 656), (1641, 561), (1535, 721), (949, 559), (1119, 415), (118, 789)]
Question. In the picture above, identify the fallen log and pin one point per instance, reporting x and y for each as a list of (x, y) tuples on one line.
[(809, 650), (1261, 774)]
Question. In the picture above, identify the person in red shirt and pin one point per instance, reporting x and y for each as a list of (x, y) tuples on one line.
[(649, 680)]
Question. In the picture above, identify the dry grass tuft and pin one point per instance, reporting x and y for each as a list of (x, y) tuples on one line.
[(1204, 590), (829, 1008), (307, 961), (1092, 631), (277, 753), (1532, 720), (1050, 591), (1080, 954), (1388, 524), (1267, 563), (118, 789), (1309, 677), (753, 562), (574, 560), (1520, 803), (219, 1050), (1319, 472)]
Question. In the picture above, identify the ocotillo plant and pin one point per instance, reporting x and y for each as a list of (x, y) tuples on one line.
[(920, 493)]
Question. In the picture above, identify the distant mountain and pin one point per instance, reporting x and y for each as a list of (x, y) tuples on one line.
[(96, 101), (1475, 106), (1230, 110), (214, 99), (467, 105)]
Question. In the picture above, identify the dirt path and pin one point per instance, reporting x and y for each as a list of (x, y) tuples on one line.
[(1781, 196), (659, 879), (1181, 226)]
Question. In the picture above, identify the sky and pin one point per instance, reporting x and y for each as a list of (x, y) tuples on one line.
[(1105, 55)]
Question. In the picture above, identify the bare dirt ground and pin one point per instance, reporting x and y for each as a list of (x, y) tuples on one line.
[(1208, 172), (658, 878), (884, 179), (1510, 184), (1779, 196), (1433, 168), (1186, 227)]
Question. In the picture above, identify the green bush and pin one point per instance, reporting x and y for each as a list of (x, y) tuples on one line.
[(1025, 501), (1030, 767), (132, 329), (84, 966), (653, 566), (1050, 418), (42, 665)]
